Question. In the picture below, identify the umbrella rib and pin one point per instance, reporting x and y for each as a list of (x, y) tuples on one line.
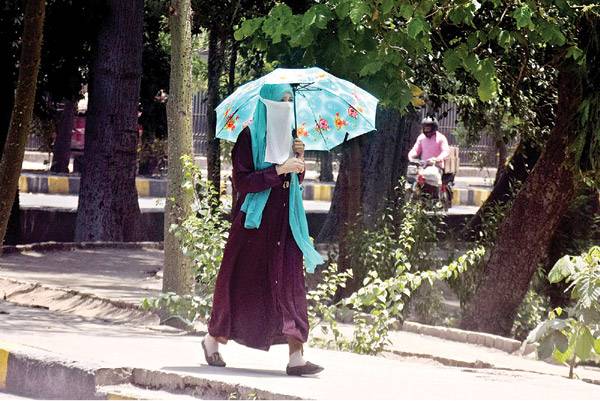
[(235, 111), (316, 122)]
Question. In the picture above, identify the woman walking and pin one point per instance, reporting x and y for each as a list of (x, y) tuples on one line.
[(260, 293)]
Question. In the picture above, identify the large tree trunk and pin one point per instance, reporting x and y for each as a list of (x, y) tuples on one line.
[(20, 122), (7, 85), (178, 276), (62, 143), (521, 163), (386, 160), (108, 201), (215, 68), (344, 197), (326, 167), (527, 230), (232, 60)]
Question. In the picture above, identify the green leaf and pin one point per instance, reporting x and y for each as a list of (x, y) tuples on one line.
[(522, 16), (452, 60), (576, 53), (415, 26), (597, 346), (563, 357), (359, 11), (486, 75), (545, 348), (248, 28), (561, 270), (551, 34), (584, 344), (387, 6), (309, 17), (342, 9), (406, 11), (371, 68), (505, 39)]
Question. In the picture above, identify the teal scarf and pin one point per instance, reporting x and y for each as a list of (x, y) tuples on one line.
[(255, 202)]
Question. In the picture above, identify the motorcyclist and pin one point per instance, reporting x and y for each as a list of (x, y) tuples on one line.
[(431, 146)]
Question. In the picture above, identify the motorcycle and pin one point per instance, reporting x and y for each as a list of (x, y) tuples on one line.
[(429, 182)]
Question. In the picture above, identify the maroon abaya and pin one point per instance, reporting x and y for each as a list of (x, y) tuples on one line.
[(260, 294)]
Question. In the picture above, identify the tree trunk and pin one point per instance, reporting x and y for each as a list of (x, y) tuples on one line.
[(527, 230), (343, 197), (108, 201), (232, 60), (386, 160), (178, 276), (349, 207), (20, 121), (62, 143), (7, 85), (326, 167), (521, 163), (215, 67)]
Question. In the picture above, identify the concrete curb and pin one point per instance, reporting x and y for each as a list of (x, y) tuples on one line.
[(70, 246), (41, 375), (508, 345), (157, 188)]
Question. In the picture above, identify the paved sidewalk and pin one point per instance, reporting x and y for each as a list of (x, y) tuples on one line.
[(167, 358), (129, 275)]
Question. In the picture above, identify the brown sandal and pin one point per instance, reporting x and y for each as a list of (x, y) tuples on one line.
[(213, 360), (308, 368)]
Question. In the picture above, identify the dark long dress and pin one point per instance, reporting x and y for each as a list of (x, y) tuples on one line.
[(260, 294)]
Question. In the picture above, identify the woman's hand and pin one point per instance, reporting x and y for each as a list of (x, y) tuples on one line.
[(291, 165), (298, 148)]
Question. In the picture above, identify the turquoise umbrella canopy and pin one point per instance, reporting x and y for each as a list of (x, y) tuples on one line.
[(327, 108)]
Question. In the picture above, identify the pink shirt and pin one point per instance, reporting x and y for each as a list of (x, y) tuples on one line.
[(426, 148)]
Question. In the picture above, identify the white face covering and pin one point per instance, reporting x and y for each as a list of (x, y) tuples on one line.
[(280, 117)]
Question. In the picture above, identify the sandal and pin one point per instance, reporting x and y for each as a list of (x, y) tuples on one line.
[(308, 368), (213, 360)]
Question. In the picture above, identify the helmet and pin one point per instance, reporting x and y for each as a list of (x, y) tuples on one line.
[(430, 121)]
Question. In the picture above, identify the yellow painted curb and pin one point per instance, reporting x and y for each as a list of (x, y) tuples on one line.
[(3, 368), (456, 197), (479, 196), (321, 192), (23, 184), (143, 187), (58, 185)]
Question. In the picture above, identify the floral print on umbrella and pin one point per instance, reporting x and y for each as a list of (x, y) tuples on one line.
[(329, 110)]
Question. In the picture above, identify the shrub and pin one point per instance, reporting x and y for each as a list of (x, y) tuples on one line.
[(574, 333), (203, 235)]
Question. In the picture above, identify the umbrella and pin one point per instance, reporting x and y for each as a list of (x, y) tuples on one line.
[(327, 110)]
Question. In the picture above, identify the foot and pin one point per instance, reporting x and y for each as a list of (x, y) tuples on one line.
[(214, 358), (308, 368)]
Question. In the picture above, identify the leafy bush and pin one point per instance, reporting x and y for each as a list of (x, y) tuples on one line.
[(203, 235), (396, 267), (574, 333), (531, 312)]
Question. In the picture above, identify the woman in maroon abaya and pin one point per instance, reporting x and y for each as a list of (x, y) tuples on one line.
[(260, 293)]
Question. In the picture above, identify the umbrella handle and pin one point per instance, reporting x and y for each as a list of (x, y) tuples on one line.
[(294, 132)]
